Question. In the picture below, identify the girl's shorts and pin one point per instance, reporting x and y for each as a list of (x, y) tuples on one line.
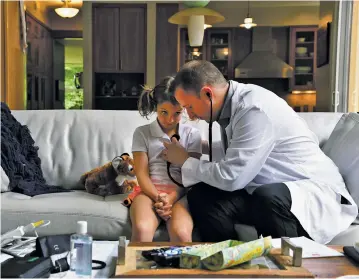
[(161, 188)]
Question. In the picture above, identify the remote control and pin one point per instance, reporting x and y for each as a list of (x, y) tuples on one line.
[(168, 256)]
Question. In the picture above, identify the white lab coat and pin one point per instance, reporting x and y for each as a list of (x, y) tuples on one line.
[(269, 143)]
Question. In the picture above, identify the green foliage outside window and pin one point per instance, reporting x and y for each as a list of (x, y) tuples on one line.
[(74, 98)]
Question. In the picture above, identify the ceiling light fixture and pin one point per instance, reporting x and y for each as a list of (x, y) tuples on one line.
[(66, 11), (197, 18), (248, 21), (196, 52)]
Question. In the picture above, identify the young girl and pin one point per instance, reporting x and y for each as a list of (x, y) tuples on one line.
[(158, 197)]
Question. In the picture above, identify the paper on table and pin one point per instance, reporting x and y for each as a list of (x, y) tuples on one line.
[(4, 257), (311, 249)]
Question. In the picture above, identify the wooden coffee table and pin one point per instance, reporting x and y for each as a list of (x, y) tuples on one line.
[(330, 267)]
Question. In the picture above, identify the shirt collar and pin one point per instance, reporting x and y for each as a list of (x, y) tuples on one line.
[(156, 130), (225, 113)]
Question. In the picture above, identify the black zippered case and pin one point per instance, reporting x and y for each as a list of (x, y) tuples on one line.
[(26, 267)]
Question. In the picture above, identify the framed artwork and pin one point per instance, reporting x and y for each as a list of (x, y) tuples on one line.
[(323, 45)]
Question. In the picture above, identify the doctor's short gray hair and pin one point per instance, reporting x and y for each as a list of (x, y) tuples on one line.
[(196, 74)]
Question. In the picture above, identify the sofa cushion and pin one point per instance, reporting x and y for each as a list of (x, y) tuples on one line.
[(107, 218), (343, 148), (72, 142), (347, 237), (4, 181), (321, 123)]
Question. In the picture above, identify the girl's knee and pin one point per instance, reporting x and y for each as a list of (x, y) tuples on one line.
[(180, 233), (143, 227), (143, 231)]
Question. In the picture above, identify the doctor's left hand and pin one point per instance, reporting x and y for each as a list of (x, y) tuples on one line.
[(175, 153)]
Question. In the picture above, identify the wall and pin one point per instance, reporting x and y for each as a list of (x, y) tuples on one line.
[(47, 15), (151, 44), (353, 102), (324, 97), (87, 52), (267, 13), (60, 23), (2, 52), (14, 57), (39, 10)]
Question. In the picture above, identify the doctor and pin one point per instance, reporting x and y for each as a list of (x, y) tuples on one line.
[(273, 176)]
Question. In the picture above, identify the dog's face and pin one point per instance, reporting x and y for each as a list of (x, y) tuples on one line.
[(124, 165)]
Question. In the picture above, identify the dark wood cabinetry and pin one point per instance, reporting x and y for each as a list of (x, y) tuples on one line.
[(166, 41), (119, 38), (39, 65), (132, 43), (303, 57), (219, 50), (106, 38), (119, 54), (188, 53), (216, 48)]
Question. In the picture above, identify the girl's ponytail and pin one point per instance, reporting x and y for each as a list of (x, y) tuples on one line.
[(150, 98), (146, 102)]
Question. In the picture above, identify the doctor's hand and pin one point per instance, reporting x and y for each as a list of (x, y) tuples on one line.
[(175, 153)]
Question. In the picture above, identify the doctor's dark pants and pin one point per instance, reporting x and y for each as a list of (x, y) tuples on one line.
[(215, 212)]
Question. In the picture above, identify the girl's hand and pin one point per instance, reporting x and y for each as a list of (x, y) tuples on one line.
[(163, 207), (162, 199), (165, 213)]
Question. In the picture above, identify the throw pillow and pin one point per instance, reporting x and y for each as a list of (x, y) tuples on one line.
[(4, 181), (343, 148), (19, 158)]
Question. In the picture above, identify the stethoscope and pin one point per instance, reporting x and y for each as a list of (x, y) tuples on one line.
[(176, 136)]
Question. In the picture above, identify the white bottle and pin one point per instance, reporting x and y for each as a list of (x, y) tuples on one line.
[(81, 251)]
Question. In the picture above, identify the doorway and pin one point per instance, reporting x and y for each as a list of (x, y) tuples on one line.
[(68, 69), (73, 69)]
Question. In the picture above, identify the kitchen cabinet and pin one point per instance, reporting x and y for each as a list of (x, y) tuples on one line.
[(119, 54), (188, 53), (216, 48), (219, 50), (166, 45), (39, 65), (303, 58), (106, 39), (132, 39), (119, 38)]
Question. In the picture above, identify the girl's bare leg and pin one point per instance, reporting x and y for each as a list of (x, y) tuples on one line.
[(143, 218), (180, 225)]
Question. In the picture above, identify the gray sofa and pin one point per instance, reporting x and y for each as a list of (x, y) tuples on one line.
[(73, 142)]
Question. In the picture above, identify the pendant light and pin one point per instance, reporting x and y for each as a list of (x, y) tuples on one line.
[(197, 18), (66, 11), (248, 21)]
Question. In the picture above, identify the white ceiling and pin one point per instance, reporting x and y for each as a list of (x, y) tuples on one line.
[(253, 3), (57, 3)]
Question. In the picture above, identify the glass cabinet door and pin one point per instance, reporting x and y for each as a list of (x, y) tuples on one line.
[(219, 45)]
